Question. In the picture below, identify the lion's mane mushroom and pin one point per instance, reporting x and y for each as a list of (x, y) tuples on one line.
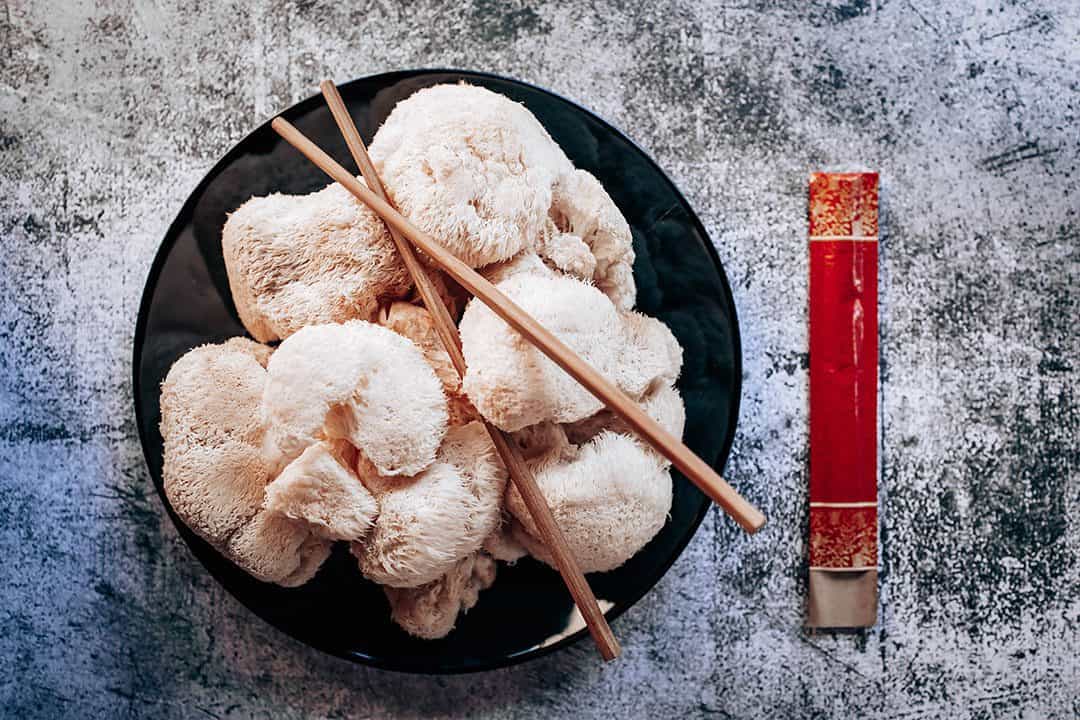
[(429, 522), (590, 238), (296, 260), (215, 472), (471, 167), (609, 492), (358, 382), (609, 496), (217, 468), (321, 488), (514, 385), (480, 174), (430, 611)]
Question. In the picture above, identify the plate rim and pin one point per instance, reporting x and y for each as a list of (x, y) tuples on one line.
[(302, 106)]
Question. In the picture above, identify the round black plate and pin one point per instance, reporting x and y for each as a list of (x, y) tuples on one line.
[(680, 279)]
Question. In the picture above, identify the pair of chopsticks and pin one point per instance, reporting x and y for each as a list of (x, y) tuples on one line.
[(693, 467), (447, 331)]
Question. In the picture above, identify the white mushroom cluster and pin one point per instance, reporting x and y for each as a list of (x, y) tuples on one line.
[(482, 176), (222, 480), (356, 428), (514, 385), (358, 382), (295, 261)]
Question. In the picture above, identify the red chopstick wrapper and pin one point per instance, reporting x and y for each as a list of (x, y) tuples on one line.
[(843, 400)]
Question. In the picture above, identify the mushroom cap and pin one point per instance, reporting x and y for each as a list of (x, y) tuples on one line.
[(296, 260), (609, 498), (431, 611), (321, 489), (217, 467), (479, 173), (471, 167), (429, 522), (358, 382), (591, 238), (215, 470), (514, 385)]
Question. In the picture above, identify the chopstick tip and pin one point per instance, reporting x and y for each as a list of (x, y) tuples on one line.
[(755, 522)]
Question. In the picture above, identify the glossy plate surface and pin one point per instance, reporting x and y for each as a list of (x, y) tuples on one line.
[(527, 612)]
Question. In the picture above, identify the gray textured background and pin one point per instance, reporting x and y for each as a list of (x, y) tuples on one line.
[(111, 111)]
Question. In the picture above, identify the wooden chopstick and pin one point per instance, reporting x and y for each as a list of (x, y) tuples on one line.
[(697, 470), (447, 331)]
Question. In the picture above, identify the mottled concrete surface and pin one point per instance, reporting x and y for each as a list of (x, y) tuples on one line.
[(111, 111)]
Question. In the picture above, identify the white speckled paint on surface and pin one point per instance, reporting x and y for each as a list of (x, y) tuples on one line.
[(111, 111)]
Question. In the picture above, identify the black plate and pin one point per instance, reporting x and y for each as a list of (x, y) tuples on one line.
[(680, 279)]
